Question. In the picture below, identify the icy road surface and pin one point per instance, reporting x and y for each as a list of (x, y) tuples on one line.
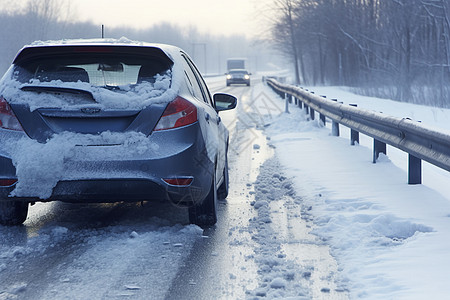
[(260, 248)]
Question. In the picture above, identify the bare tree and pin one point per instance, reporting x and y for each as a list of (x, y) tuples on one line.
[(393, 48), (284, 31)]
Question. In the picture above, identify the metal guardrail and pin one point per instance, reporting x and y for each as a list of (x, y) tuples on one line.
[(418, 140)]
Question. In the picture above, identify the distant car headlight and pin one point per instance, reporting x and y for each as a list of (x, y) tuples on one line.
[(246, 77), (228, 76)]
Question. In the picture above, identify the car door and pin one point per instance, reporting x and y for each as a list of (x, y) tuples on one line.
[(217, 134)]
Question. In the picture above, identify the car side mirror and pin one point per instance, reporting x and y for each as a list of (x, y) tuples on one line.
[(224, 101)]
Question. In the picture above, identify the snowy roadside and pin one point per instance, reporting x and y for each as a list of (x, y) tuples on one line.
[(432, 116), (291, 262), (390, 239)]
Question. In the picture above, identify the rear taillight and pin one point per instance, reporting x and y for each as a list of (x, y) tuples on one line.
[(179, 181), (8, 119), (180, 112), (7, 182)]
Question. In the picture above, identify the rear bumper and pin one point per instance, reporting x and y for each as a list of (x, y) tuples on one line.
[(116, 190), (127, 190), (138, 177)]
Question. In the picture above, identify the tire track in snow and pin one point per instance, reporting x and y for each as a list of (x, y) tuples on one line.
[(292, 262)]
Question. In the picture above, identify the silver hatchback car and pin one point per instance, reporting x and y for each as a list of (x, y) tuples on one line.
[(107, 121), (238, 76)]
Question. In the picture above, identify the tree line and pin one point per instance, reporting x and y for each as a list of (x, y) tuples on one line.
[(398, 49), (54, 20)]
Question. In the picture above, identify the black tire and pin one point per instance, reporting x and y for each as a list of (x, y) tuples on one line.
[(13, 212), (205, 214), (228, 84), (222, 191)]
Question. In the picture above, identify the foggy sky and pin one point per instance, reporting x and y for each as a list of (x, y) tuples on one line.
[(209, 16)]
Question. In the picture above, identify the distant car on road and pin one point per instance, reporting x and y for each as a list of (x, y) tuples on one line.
[(107, 121), (238, 76)]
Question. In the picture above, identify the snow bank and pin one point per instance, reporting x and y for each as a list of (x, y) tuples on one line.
[(388, 237)]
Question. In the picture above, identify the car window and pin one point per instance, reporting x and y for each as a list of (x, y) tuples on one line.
[(191, 78), (205, 92), (98, 71), (238, 72)]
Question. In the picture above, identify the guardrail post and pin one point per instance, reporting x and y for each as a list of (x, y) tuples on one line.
[(323, 119), (286, 97), (311, 112), (334, 125), (414, 170), (300, 104), (354, 135), (378, 147), (334, 128), (306, 108)]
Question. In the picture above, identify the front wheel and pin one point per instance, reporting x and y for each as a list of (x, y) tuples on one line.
[(13, 212), (205, 214)]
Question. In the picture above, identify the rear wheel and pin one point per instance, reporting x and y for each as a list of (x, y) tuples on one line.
[(13, 212), (205, 214), (222, 191)]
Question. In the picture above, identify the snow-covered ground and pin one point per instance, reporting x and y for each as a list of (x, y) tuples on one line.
[(391, 240)]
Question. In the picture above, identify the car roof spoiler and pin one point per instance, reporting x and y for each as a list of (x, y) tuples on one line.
[(31, 52)]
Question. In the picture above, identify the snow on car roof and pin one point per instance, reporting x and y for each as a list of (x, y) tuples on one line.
[(123, 41)]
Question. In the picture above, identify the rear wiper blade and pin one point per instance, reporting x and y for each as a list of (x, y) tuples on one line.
[(113, 88), (56, 89)]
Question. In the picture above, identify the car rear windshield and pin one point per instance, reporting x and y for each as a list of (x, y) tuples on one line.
[(97, 70), (110, 78)]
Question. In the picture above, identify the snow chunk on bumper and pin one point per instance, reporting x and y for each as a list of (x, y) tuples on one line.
[(39, 166)]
